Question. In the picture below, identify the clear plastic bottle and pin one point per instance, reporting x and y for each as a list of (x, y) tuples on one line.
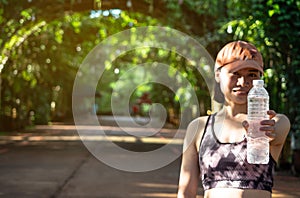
[(257, 141)]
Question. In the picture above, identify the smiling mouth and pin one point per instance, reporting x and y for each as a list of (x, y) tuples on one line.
[(240, 91)]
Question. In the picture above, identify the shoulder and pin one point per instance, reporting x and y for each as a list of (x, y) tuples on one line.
[(282, 128), (195, 130), (197, 123), (282, 118), (282, 123)]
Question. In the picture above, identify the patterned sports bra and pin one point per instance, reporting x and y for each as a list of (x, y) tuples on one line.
[(224, 165)]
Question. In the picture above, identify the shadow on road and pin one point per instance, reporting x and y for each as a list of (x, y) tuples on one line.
[(52, 161)]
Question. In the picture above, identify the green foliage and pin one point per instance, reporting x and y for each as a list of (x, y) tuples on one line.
[(39, 60), (40, 51)]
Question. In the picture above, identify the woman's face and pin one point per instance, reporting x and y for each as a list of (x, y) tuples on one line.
[(235, 84)]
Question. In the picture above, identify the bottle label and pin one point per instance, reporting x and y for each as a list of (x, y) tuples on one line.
[(257, 108)]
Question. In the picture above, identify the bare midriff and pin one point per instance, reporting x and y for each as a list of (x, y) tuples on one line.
[(236, 193)]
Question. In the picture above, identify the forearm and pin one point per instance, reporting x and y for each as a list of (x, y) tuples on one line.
[(188, 183), (186, 194)]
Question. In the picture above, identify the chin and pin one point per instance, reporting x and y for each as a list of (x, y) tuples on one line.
[(240, 101)]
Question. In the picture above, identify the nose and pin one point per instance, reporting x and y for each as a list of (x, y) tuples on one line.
[(242, 81)]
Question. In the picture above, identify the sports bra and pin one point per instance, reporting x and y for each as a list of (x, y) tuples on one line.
[(224, 165)]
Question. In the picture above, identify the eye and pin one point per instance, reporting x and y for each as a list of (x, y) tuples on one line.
[(254, 75), (235, 73)]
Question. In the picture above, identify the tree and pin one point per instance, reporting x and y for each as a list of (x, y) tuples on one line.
[(52, 38)]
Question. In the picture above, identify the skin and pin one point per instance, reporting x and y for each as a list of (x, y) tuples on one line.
[(230, 126)]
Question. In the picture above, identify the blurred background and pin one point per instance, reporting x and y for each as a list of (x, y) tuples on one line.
[(43, 43)]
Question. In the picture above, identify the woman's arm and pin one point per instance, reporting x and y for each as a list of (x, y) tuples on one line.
[(277, 129), (189, 173), (281, 130)]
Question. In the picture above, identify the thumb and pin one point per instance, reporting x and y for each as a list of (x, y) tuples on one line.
[(245, 125)]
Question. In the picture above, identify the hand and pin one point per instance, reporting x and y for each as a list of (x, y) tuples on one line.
[(267, 126)]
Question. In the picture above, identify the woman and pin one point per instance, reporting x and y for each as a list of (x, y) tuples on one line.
[(215, 146)]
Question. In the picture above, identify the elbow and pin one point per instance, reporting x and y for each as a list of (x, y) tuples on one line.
[(185, 194)]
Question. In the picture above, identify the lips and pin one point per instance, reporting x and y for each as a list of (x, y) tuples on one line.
[(240, 91)]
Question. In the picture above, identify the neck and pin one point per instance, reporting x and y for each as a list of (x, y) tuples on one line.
[(234, 111)]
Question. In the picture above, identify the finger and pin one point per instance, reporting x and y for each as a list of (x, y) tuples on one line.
[(271, 135), (245, 124), (268, 122), (267, 129), (267, 125), (271, 114)]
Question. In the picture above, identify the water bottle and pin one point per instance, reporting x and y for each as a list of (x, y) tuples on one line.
[(257, 141)]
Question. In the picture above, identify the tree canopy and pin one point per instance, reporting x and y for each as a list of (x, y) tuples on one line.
[(43, 43)]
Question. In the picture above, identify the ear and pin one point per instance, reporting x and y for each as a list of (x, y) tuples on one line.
[(217, 76)]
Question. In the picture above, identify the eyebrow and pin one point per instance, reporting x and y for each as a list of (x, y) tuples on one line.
[(254, 70), (251, 70)]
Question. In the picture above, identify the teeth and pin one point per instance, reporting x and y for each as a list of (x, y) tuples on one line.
[(238, 91)]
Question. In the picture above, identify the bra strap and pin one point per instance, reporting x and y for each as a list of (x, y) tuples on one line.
[(206, 124)]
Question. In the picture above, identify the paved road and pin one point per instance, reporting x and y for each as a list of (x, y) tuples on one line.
[(51, 161)]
